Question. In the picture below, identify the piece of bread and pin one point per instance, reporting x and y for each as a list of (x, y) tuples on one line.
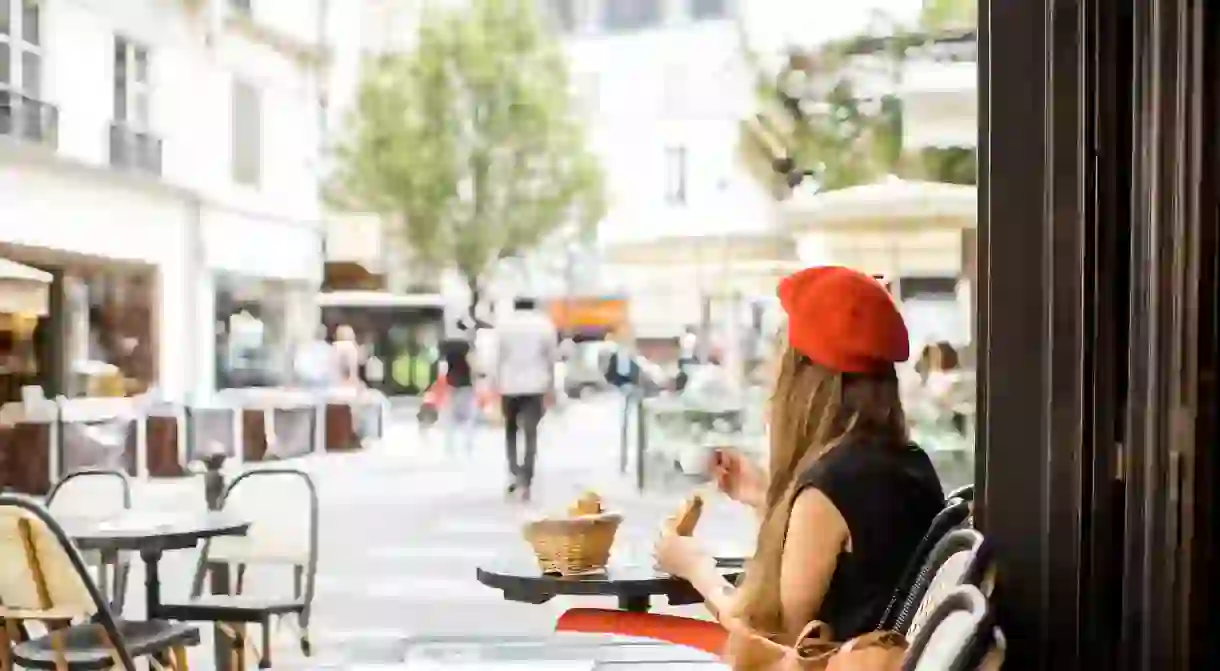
[(588, 504), (684, 522)]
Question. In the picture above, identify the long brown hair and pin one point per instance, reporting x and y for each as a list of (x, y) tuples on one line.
[(813, 409)]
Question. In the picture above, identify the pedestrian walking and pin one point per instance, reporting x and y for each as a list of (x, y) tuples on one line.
[(527, 349), (461, 408)]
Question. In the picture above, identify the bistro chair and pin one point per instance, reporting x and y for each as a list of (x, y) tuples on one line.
[(44, 579), (962, 557), (698, 634), (97, 493), (953, 516), (959, 635), (965, 493), (270, 498)]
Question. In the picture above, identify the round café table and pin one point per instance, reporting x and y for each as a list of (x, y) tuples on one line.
[(633, 585), (150, 534)]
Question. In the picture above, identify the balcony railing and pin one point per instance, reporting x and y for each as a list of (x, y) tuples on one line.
[(135, 150), (28, 119)]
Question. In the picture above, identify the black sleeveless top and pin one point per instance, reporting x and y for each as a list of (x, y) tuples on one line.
[(888, 496)]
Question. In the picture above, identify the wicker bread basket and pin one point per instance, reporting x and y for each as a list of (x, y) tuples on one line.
[(573, 545)]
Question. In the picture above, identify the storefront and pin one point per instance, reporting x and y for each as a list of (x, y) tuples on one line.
[(257, 291), (113, 256)]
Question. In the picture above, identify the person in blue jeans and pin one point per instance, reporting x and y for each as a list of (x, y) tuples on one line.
[(462, 407)]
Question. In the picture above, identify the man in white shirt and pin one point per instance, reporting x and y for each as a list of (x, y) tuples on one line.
[(527, 348)]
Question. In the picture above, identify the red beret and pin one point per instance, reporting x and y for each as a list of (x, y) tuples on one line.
[(844, 320)]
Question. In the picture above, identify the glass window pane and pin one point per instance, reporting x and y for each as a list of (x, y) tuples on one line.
[(140, 111), (31, 28), (6, 66), (631, 14), (120, 79), (31, 74), (6, 21), (708, 9), (141, 70)]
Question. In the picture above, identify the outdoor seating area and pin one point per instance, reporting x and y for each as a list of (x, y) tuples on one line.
[(941, 607), (66, 564), (41, 439)]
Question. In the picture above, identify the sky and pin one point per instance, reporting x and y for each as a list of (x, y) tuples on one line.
[(775, 24)]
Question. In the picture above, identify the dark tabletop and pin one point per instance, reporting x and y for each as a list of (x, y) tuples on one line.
[(522, 580), (143, 530)]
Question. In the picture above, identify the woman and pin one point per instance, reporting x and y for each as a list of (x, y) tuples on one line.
[(847, 497)]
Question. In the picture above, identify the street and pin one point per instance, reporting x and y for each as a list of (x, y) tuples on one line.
[(404, 526)]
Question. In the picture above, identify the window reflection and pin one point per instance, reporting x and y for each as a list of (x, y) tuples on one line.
[(108, 333), (250, 332)]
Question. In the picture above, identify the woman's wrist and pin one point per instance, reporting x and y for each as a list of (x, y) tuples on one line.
[(717, 592)]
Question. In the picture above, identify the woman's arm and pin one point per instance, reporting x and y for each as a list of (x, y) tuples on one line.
[(817, 535), (719, 594)]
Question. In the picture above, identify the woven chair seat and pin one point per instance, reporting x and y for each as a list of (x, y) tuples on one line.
[(257, 550), (85, 647)]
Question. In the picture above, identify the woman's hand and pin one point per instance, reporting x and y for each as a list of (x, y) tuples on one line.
[(681, 556), (739, 478)]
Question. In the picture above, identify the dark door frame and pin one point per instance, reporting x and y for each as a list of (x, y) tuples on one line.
[(1097, 328)]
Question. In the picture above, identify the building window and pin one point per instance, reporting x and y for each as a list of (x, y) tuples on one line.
[(630, 14), (243, 7), (708, 9), (21, 47), (675, 175), (247, 134), (561, 14), (131, 84)]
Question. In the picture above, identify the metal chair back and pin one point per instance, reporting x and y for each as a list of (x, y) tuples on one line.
[(269, 538), (43, 577), (962, 557), (92, 492), (959, 635), (953, 516)]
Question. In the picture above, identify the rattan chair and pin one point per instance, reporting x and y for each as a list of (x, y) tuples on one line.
[(43, 579), (270, 541), (953, 516), (962, 557), (97, 493), (959, 635)]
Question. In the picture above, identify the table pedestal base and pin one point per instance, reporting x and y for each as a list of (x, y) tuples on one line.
[(634, 603)]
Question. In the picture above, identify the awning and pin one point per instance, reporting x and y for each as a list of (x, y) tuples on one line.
[(23, 290), (889, 203)]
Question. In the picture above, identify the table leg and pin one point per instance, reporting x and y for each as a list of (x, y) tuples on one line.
[(152, 593), (634, 603), (221, 645)]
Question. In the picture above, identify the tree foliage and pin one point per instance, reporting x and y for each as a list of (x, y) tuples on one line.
[(468, 145), (836, 136)]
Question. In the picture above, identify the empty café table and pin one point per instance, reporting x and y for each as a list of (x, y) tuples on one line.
[(633, 585), (150, 534)]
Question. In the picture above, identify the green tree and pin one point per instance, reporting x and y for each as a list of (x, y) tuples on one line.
[(469, 145), (813, 115), (945, 15)]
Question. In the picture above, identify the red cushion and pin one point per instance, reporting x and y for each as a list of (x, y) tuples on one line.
[(698, 634)]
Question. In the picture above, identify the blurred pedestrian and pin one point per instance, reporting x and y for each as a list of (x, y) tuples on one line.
[(347, 356), (314, 365), (688, 349), (527, 349), (461, 407)]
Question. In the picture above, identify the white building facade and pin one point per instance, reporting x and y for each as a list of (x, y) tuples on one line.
[(177, 142), (664, 85)]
